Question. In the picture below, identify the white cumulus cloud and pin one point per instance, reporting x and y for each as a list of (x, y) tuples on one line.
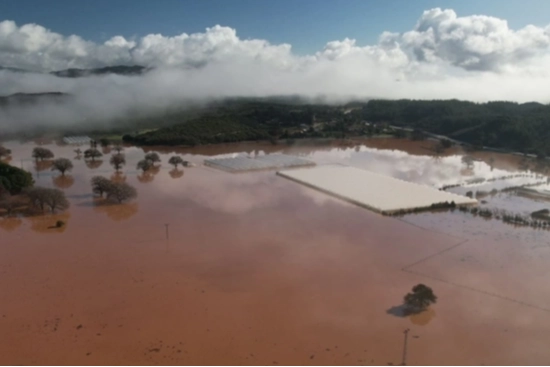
[(443, 56)]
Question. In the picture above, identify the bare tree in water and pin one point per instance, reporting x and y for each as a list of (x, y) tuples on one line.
[(62, 165)]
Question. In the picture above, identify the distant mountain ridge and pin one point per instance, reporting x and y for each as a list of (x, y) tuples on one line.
[(127, 70), (29, 98)]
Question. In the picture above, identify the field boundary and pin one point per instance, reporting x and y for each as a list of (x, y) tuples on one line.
[(407, 269)]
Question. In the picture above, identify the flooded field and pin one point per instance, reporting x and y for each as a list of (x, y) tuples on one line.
[(208, 267)]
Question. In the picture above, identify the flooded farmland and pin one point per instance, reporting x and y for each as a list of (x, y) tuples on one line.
[(208, 267)]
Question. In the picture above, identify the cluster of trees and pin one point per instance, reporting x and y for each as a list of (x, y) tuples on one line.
[(203, 130), (13, 180), (118, 192), (148, 162)]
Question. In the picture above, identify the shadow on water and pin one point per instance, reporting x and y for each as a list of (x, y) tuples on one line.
[(398, 311)]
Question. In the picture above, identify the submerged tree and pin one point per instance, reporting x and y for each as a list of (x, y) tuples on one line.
[(421, 298), (100, 185), (92, 153), (175, 160), (153, 157), (40, 153), (62, 165), (42, 197), (144, 165), (118, 148), (117, 161), (120, 192), (104, 142)]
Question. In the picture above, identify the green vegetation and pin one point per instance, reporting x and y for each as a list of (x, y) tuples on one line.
[(504, 125), (421, 298), (14, 179), (507, 125)]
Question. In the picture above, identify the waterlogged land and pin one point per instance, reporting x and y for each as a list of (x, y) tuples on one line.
[(260, 270)]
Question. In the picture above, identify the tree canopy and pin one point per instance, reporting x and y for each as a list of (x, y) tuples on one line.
[(14, 179), (421, 297), (117, 161), (175, 160), (42, 153), (62, 165), (92, 153), (153, 157)]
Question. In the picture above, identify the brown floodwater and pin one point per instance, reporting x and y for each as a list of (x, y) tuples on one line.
[(206, 267)]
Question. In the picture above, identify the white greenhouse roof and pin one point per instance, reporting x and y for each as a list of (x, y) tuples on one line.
[(269, 161), (374, 191), (77, 140)]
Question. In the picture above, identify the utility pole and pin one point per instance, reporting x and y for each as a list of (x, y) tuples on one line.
[(406, 332)]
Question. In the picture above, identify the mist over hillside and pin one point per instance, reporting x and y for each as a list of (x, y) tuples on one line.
[(443, 56)]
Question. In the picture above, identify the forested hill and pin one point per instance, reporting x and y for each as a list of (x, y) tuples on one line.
[(522, 127)]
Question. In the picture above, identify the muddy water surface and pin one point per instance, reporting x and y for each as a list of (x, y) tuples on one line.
[(212, 268)]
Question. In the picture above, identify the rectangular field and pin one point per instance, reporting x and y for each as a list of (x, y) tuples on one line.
[(245, 164), (374, 191)]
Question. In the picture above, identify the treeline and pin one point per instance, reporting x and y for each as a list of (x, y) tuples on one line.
[(238, 120), (203, 130), (508, 125)]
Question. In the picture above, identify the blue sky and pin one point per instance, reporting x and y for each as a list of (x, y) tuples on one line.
[(306, 24)]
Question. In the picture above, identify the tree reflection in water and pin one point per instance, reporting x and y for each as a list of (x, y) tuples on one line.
[(63, 182), (10, 223), (146, 177), (93, 164), (149, 175), (46, 223), (176, 173), (118, 177), (43, 165), (116, 212)]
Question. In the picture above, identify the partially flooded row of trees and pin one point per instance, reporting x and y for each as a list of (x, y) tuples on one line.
[(18, 193)]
